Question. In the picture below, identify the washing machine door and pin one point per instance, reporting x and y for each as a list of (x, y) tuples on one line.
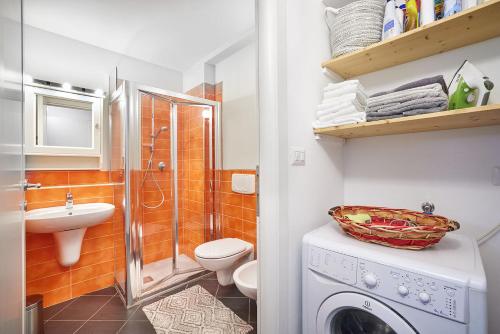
[(354, 313)]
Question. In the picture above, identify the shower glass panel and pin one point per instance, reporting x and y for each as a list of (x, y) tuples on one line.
[(117, 119), (165, 155)]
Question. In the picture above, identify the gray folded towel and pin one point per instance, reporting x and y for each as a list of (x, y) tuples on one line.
[(429, 91), (437, 103), (412, 101), (378, 118), (418, 83), (426, 111)]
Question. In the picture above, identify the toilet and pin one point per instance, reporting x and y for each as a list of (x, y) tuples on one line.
[(245, 278), (223, 256)]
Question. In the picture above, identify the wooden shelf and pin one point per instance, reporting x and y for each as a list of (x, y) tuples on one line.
[(468, 27), (444, 120)]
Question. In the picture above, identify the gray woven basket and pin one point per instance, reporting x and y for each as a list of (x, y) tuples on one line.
[(355, 25)]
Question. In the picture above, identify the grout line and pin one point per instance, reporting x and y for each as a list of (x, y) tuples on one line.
[(100, 308), (73, 300)]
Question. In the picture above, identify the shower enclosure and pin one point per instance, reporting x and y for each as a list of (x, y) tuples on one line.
[(165, 163)]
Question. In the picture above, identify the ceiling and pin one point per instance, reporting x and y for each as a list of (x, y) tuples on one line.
[(170, 33)]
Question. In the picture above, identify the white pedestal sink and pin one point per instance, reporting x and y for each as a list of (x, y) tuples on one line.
[(68, 226)]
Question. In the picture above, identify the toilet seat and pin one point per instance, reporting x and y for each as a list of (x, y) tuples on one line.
[(221, 248)]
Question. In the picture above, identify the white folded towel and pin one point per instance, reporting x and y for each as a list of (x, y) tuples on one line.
[(345, 111), (317, 125), (344, 92), (347, 97), (343, 119), (328, 94), (340, 85), (333, 108)]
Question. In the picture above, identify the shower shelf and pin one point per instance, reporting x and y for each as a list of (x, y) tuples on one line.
[(444, 120), (468, 27)]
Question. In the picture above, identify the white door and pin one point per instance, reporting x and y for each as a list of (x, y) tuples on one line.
[(11, 169), (354, 313)]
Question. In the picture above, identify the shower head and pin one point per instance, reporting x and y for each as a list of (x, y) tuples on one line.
[(160, 130)]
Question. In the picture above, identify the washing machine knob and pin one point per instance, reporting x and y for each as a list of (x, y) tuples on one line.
[(403, 290), (424, 297), (370, 280)]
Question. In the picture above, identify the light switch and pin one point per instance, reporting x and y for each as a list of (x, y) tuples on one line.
[(298, 156)]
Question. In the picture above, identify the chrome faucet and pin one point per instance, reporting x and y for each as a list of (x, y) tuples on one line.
[(69, 200)]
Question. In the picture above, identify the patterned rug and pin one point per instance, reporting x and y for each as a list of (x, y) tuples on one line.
[(195, 311)]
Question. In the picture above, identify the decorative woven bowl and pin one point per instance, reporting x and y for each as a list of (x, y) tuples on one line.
[(398, 228)]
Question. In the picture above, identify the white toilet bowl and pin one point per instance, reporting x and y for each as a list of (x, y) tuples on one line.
[(245, 278), (223, 256)]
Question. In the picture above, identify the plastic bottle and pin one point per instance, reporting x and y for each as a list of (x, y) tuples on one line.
[(411, 16), (391, 26), (452, 7), (400, 13), (438, 9), (426, 12)]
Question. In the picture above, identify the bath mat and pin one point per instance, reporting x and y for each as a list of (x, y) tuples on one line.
[(196, 311)]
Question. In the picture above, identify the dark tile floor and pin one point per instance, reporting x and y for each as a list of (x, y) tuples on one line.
[(103, 312)]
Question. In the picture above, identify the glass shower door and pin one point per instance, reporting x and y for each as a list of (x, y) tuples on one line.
[(158, 200), (194, 180)]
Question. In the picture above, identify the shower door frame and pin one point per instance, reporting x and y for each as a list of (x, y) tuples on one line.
[(133, 164)]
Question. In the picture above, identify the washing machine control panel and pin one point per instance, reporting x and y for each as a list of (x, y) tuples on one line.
[(341, 267), (444, 298)]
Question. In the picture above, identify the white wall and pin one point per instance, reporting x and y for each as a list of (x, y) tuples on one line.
[(240, 128), (305, 192), (451, 168), (56, 58)]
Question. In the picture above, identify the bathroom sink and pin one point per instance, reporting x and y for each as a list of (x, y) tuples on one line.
[(68, 226), (58, 218)]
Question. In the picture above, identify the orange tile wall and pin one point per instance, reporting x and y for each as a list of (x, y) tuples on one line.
[(238, 211), (95, 269), (239, 217)]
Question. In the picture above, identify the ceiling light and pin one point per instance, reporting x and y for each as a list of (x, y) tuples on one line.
[(99, 92), (66, 86)]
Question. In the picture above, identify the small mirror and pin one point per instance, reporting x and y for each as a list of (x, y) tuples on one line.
[(62, 123)]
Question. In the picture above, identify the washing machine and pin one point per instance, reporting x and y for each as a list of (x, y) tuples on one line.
[(353, 287)]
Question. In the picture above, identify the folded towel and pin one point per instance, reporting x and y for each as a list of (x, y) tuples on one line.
[(418, 83), (352, 112), (345, 119), (392, 101), (340, 107), (341, 102), (379, 118), (340, 85), (413, 112), (376, 116), (317, 125), (437, 103), (361, 98)]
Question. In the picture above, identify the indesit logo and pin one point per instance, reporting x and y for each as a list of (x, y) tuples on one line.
[(367, 305)]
